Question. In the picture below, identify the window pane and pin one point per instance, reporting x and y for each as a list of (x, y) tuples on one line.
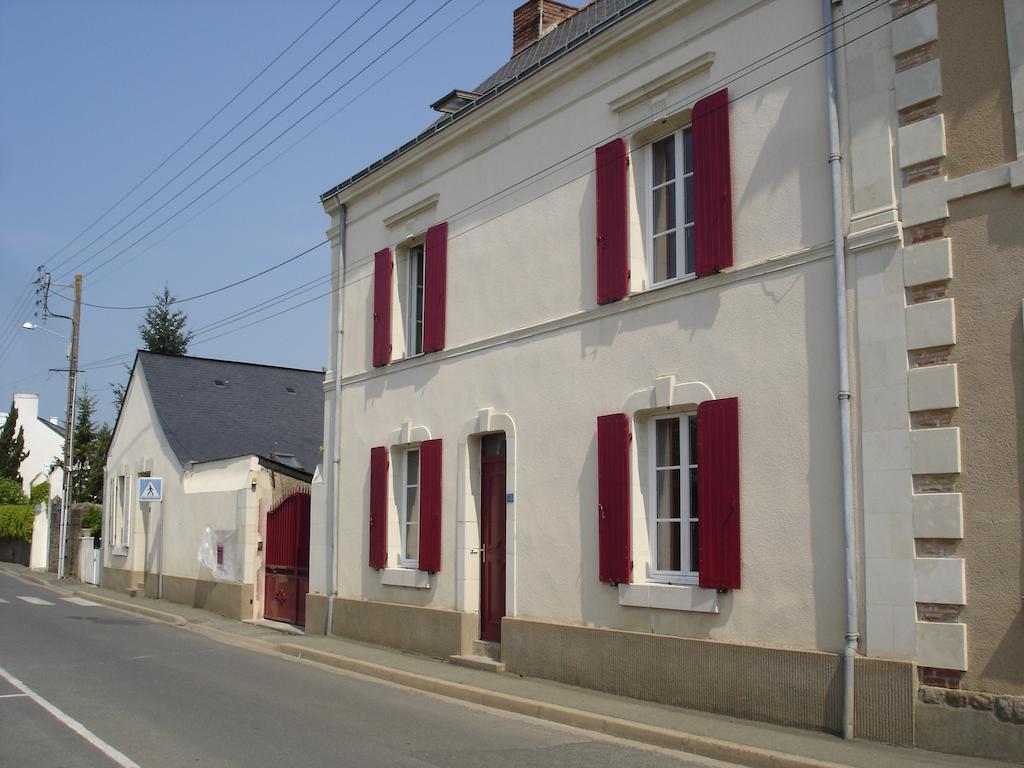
[(692, 425), (693, 493), (664, 257), (668, 493), (668, 547), (412, 467), (412, 504), (694, 548), (494, 445), (691, 263), (687, 152), (664, 208), (412, 542), (664, 159), (688, 200), (668, 443)]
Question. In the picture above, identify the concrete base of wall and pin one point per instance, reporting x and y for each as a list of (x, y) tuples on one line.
[(119, 579), (962, 729), (229, 599), (774, 685), (428, 631), (316, 614)]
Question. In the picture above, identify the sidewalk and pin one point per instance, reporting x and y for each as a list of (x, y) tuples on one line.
[(739, 741)]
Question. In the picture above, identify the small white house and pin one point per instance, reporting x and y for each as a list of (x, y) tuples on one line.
[(233, 444), (44, 441)]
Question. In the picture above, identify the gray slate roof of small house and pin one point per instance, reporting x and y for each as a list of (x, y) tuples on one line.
[(55, 427), (579, 28), (252, 413)]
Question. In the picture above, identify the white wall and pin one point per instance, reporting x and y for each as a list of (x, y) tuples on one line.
[(526, 338), (44, 446), (215, 494)]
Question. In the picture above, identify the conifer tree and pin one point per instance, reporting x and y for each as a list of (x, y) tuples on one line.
[(12, 447), (163, 329)]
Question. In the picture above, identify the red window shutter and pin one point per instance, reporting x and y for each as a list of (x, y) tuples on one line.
[(382, 307), (615, 563), (712, 183), (718, 490), (378, 507), (435, 286), (430, 506), (612, 222)]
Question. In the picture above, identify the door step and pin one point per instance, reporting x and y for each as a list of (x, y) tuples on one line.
[(478, 662), (486, 656)]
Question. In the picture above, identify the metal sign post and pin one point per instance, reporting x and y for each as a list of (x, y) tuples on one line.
[(151, 489)]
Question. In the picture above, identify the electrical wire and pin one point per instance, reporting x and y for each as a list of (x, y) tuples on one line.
[(195, 133), (529, 180), (234, 149)]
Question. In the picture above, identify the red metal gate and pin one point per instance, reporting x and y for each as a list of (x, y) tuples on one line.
[(287, 566)]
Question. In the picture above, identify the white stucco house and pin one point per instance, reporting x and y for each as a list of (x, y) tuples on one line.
[(44, 441), (595, 336), (236, 446)]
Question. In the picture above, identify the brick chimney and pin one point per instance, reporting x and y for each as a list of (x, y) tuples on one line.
[(534, 19)]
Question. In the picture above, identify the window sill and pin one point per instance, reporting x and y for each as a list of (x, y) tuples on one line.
[(671, 597), (674, 281), (405, 577)]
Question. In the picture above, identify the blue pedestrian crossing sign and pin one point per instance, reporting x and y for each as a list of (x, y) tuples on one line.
[(151, 489)]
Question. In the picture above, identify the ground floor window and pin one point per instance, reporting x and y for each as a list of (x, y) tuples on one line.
[(673, 521)]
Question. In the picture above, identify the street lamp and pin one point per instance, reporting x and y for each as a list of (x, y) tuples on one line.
[(33, 327)]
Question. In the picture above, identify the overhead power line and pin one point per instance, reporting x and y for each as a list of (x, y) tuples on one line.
[(234, 149), (528, 180), (195, 133)]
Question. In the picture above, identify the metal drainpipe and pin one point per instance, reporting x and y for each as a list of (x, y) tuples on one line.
[(335, 495), (842, 349)]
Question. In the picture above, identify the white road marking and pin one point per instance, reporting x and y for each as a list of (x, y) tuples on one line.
[(2, 600), (117, 756), (34, 600), (80, 601), (12, 695)]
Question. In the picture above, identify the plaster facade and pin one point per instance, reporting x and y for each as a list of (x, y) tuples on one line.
[(530, 353), (158, 552)]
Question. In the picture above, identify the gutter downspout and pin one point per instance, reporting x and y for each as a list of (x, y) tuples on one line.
[(842, 349), (335, 496)]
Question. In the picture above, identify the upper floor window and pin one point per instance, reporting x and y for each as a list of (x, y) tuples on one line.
[(671, 207), (414, 302)]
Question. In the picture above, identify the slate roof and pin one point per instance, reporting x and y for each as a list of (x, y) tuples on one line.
[(55, 427), (258, 410), (590, 20)]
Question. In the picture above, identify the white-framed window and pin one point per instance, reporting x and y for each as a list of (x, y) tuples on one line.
[(120, 511), (670, 205), (409, 509), (672, 517), (414, 301)]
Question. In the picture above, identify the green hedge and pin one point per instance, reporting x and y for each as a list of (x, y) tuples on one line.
[(16, 522)]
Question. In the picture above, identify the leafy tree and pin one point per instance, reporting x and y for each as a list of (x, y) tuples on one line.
[(40, 493), (163, 329), (10, 491), (12, 447)]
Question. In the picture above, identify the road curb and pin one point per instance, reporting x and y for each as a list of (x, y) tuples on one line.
[(152, 613), (754, 757)]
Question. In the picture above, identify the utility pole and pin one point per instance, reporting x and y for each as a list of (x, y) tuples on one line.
[(69, 428)]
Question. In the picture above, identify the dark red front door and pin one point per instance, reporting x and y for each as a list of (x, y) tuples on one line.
[(287, 566), (492, 535)]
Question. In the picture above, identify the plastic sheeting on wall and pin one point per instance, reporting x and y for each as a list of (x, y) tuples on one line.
[(218, 553)]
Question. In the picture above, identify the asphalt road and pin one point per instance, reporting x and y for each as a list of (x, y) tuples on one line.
[(87, 686)]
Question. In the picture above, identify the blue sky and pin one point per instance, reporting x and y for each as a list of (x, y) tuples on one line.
[(96, 95)]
